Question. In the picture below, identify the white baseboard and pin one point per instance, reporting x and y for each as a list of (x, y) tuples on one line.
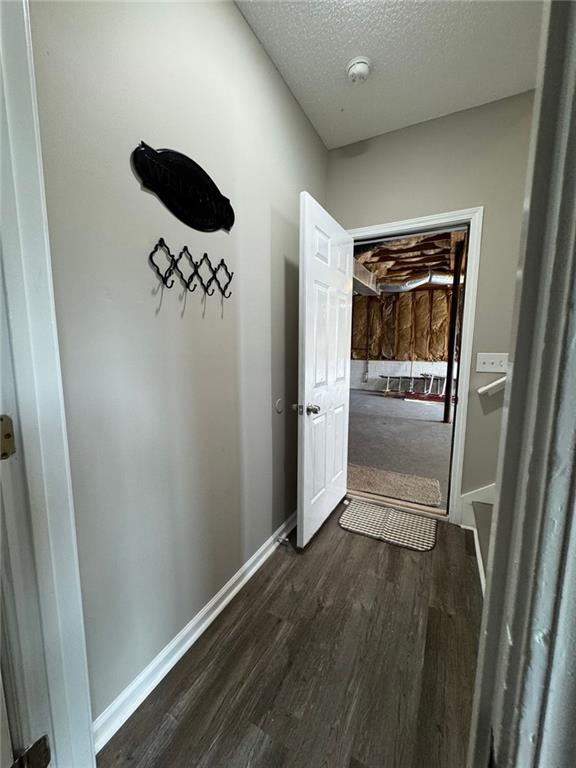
[(481, 571), (486, 494), (115, 715)]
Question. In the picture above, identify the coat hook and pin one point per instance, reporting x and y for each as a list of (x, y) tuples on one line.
[(164, 276), (191, 272)]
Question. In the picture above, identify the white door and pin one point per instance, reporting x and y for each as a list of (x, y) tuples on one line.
[(43, 652), (24, 698), (24, 676), (326, 253), (6, 754)]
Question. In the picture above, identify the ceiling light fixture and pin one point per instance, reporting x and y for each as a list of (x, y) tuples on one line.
[(358, 70)]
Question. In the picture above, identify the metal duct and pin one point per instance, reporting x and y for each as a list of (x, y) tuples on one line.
[(364, 280), (407, 285), (431, 278), (440, 279)]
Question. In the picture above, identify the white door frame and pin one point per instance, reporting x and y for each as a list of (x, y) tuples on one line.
[(40, 398), (471, 217), (525, 696)]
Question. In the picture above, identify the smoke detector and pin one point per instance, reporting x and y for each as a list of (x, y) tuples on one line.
[(358, 70)]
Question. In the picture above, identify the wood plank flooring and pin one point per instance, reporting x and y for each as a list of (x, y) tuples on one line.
[(353, 654)]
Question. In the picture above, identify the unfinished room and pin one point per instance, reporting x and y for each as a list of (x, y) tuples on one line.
[(409, 295), (259, 262)]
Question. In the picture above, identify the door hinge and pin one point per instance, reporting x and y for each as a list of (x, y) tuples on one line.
[(36, 756), (7, 443)]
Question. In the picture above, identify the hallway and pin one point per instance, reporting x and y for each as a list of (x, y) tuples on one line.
[(354, 654)]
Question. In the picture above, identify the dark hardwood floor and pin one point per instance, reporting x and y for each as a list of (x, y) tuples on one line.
[(353, 654)]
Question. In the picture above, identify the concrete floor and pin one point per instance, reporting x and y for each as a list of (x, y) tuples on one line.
[(400, 436)]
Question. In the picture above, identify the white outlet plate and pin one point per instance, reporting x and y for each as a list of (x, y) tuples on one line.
[(492, 362)]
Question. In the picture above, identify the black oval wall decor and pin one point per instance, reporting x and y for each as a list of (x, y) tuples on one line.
[(184, 187)]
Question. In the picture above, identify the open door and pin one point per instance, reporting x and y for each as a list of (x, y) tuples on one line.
[(326, 253), (24, 696), (42, 649)]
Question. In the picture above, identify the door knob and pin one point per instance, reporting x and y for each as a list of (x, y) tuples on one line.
[(312, 409)]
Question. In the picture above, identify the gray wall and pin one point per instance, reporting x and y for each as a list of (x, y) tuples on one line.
[(471, 158), (180, 467)]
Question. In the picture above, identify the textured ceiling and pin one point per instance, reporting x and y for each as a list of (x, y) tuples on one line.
[(429, 58)]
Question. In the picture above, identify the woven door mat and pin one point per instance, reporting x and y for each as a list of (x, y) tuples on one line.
[(390, 525)]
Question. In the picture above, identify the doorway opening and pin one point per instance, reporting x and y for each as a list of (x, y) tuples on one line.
[(410, 291)]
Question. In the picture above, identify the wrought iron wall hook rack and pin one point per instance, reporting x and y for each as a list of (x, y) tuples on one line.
[(190, 273), (165, 276)]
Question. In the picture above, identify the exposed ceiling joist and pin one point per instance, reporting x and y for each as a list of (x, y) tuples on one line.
[(418, 259), (404, 258), (413, 256), (410, 247)]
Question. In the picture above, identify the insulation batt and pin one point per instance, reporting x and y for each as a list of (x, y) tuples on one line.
[(407, 326), (422, 329), (404, 346), (375, 333), (439, 326), (388, 327), (360, 328)]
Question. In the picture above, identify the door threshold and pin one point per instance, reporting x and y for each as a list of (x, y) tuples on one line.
[(408, 506)]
